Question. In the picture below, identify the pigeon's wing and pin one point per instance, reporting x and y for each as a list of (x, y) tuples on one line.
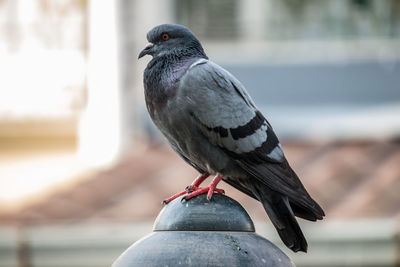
[(228, 117)]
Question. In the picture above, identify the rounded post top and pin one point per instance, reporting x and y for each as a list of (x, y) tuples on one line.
[(199, 232), (221, 213)]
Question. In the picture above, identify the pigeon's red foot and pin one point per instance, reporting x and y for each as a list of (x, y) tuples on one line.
[(190, 188), (194, 189), (210, 189), (166, 201)]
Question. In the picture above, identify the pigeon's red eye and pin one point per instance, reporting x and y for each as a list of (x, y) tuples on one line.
[(165, 36)]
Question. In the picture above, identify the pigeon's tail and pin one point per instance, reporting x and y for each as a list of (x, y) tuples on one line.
[(282, 217)]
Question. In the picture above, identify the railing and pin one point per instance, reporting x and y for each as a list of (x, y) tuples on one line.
[(344, 243)]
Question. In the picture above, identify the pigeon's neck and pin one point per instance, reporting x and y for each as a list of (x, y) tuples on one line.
[(162, 76)]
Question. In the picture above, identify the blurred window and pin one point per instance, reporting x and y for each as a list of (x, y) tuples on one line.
[(210, 19), (291, 19)]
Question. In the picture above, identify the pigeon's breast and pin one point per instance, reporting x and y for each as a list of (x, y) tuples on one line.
[(162, 77), (161, 83)]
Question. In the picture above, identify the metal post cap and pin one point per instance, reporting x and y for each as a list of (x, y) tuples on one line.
[(199, 232), (198, 214)]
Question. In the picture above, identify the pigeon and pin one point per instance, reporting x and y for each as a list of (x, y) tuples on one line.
[(212, 123)]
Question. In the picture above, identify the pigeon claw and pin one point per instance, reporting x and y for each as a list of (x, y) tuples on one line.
[(209, 190), (194, 190), (191, 188), (199, 191), (220, 191), (168, 200), (216, 190)]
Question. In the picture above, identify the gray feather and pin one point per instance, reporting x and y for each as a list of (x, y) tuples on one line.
[(216, 99), (209, 119)]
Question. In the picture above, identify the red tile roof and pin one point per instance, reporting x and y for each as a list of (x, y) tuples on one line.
[(349, 179)]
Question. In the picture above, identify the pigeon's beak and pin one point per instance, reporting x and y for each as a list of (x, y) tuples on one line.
[(147, 50)]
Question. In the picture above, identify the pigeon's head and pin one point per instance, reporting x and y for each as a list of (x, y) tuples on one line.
[(172, 39)]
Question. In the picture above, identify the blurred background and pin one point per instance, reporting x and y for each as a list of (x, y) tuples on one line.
[(83, 171)]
